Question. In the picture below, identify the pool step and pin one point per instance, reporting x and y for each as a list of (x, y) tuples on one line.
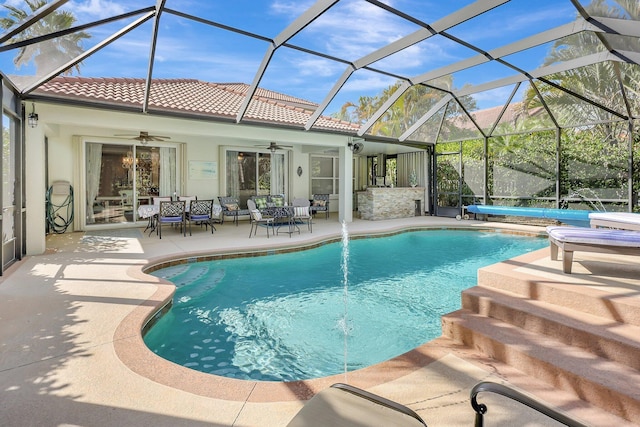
[(593, 357), (603, 337), (583, 293)]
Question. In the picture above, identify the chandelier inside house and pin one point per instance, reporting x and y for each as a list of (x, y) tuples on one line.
[(128, 161)]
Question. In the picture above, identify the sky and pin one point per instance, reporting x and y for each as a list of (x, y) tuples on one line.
[(349, 30)]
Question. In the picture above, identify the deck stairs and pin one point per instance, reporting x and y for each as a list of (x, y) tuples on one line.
[(575, 338)]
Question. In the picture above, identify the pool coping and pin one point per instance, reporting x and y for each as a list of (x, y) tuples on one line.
[(130, 348)]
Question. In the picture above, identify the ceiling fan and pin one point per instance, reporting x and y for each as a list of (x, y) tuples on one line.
[(145, 137), (273, 146)]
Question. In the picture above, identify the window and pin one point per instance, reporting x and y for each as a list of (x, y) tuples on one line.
[(8, 179), (324, 175)]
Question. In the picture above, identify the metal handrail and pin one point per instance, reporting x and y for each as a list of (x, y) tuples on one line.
[(487, 386)]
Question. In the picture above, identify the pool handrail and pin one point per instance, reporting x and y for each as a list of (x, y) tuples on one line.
[(503, 390)]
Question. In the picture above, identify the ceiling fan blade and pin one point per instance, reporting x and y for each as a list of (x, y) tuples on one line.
[(144, 137)]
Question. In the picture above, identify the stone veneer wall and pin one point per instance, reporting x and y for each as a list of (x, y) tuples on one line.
[(389, 203)]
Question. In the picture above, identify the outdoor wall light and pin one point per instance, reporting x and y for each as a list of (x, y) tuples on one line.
[(32, 118), (299, 170)]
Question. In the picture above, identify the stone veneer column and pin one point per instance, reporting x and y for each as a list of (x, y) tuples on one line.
[(389, 203)]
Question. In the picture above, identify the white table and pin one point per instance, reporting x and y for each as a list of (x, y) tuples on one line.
[(150, 211)]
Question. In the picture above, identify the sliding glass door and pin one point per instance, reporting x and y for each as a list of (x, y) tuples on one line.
[(119, 178), (254, 173)]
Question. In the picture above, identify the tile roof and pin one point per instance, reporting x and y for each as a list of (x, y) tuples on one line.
[(190, 96), (487, 117)]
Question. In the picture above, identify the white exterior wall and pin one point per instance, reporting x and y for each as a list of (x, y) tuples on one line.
[(67, 126)]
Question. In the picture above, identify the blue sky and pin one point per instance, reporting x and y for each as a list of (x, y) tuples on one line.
[(349, 30)]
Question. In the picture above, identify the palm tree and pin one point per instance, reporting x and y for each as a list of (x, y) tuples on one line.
[(407, 109), (598, 82), (51, 53), (597, 153)]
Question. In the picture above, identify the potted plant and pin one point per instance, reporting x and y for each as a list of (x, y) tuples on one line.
[(413, 179)]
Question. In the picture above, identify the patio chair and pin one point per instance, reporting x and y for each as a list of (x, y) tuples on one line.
[(320, 203), (301, 212), (151, 212), (172, 212), (231, 207), (200, 212), (127, 203), (257, 219), (347, 406)]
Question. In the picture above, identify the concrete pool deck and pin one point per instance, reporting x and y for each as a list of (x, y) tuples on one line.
[(71, 351)]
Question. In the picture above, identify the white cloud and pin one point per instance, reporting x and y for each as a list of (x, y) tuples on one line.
[(291, 8), (93, 9), (371, 83), (494, 97), (14, 3), (319, 67)]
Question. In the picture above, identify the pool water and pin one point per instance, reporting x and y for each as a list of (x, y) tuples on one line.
[(290, 316)]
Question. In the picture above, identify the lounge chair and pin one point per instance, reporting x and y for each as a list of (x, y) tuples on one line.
[(623, 220), (570, 239), (347, 406)]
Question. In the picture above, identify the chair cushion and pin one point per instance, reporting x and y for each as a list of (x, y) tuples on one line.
[(170, 219), (255, 213), (261, 202), (301, 211), (199, 217), (232, 206), (595, 236)]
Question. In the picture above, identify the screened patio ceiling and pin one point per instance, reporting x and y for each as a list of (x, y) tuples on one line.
[(406, 71)]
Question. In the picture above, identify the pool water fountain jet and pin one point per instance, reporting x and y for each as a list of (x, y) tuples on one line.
[(581, 193), (344, 265)]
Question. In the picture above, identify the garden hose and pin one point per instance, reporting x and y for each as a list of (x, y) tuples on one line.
[(59, 201)]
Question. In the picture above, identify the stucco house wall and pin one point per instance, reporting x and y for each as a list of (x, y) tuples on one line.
[(67, 127)]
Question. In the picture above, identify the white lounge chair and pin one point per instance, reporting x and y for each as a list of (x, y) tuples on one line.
[(347, 406), (623, 220), (600, 240)]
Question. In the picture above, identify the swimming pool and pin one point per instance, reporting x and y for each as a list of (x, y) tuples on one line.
[(282, 317)]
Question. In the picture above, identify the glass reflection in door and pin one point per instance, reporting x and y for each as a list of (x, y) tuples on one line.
[(122, 177)]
